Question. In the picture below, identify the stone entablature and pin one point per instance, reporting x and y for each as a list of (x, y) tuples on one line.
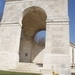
[(53, 12)]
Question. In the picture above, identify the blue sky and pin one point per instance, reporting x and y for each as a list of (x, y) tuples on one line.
[(71, 16), (1, 6), (72, 20)]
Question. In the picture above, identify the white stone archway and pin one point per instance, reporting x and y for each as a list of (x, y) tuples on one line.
[(34, 20), (57, 34)]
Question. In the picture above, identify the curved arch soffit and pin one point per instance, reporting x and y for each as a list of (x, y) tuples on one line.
[(34, 20), (34, 8), (29, 9)]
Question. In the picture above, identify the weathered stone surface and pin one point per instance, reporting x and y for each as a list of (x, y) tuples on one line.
[(16, 15), (9, 45), (52, 8)]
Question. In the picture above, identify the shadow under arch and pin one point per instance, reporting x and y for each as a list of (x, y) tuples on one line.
[(34, 9), (34, 20)]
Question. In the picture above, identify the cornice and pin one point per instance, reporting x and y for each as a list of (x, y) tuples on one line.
[(12, 0), (72, 45)]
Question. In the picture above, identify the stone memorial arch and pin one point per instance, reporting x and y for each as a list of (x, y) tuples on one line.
[(22, 19)]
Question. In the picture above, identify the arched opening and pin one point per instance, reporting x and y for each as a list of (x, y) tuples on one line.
[(34, 20)]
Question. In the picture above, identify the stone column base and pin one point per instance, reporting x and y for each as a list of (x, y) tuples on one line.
[(8, 60), (57, 63)]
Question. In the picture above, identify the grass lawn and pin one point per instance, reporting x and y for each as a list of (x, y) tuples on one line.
[(15, 73)]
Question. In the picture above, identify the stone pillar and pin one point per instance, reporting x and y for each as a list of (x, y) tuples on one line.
[(9, 45), (57, 57)]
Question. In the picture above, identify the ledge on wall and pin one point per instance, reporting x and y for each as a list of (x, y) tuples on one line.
[(17, 0), (12, 0), (71, 44)]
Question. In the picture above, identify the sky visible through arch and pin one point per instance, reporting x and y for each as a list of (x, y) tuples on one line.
[(71, 16)]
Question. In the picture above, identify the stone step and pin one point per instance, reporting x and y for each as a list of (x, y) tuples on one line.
[(27, 67), (26, 64)]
